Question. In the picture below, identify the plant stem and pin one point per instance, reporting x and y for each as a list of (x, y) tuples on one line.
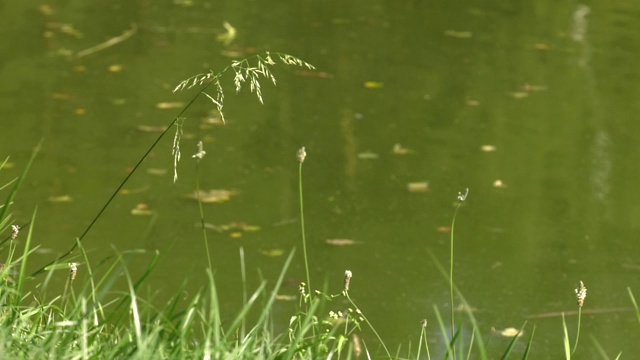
[(304, 240), (204, 230), (453, 224), (346, 293), (575, 346)]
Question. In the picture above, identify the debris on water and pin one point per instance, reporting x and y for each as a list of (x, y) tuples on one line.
[(541, 47), (272, 252), (141, 210), (157, 171), (212, 196), (473, 103), (115, 68), (373, 85), (508, 332), (488, 148), (60, 199), (400, 150), (519, 94), (280, 297), (458, 34), (341, 242), (314, 74), (418, 187), (80, 111), (169, 105), (368, 155), (499, 184), (151, 128), (443, 229)]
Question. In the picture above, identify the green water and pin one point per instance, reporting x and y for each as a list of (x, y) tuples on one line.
[(552, 88)]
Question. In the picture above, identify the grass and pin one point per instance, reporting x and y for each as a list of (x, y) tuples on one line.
[(93, 320)]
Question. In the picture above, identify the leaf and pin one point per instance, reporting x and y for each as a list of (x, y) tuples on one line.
[(170, 105), (60, 199), (272, 252), (418, 187), (212, 196), (341, 242), (373, 85)]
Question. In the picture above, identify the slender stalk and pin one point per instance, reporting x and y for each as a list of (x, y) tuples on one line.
[(360, 313), (461, 197), (301, 155), (575, 345), (200, 208)]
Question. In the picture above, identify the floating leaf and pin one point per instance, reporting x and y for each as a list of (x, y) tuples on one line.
[(541, 47), (368, 155), (60, 199), (272, 252), (443, 229), (418, 187), (80, 111), (373, 85), (212, 196), (341, 242), (519, 94), (157, 171), (286, 297), (170, 105), (488, 148), (141, 210), (7, 165), (509, 332), (314, 74), (236, 235), (499, 184), (151, 129), (473, 103), (115, 68), (399, 150), (458, 34)]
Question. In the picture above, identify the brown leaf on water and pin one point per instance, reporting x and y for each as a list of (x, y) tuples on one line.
[(141, 210), (170, 105), (418, 187), (443, 229), (60, 199), (212, 196), (341, 242)]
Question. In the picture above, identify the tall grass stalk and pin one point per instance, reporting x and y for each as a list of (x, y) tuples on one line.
[(461, 198), (198, 156), (301, 154), (423, 338)]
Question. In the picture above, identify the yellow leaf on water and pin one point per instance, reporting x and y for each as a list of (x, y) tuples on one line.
[(115, 68), (151, 128), (373, 85), (169, 105), (141, 210), (488, 148), (399, 150), (236, 235), (418, 187), (212, 196), (60, 199), (272, 252), (341, 242)]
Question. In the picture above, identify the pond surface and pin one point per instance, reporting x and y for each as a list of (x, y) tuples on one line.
[(532, 106)]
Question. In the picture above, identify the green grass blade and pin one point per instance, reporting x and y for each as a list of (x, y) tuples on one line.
[(527, 350), (567, 345)]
